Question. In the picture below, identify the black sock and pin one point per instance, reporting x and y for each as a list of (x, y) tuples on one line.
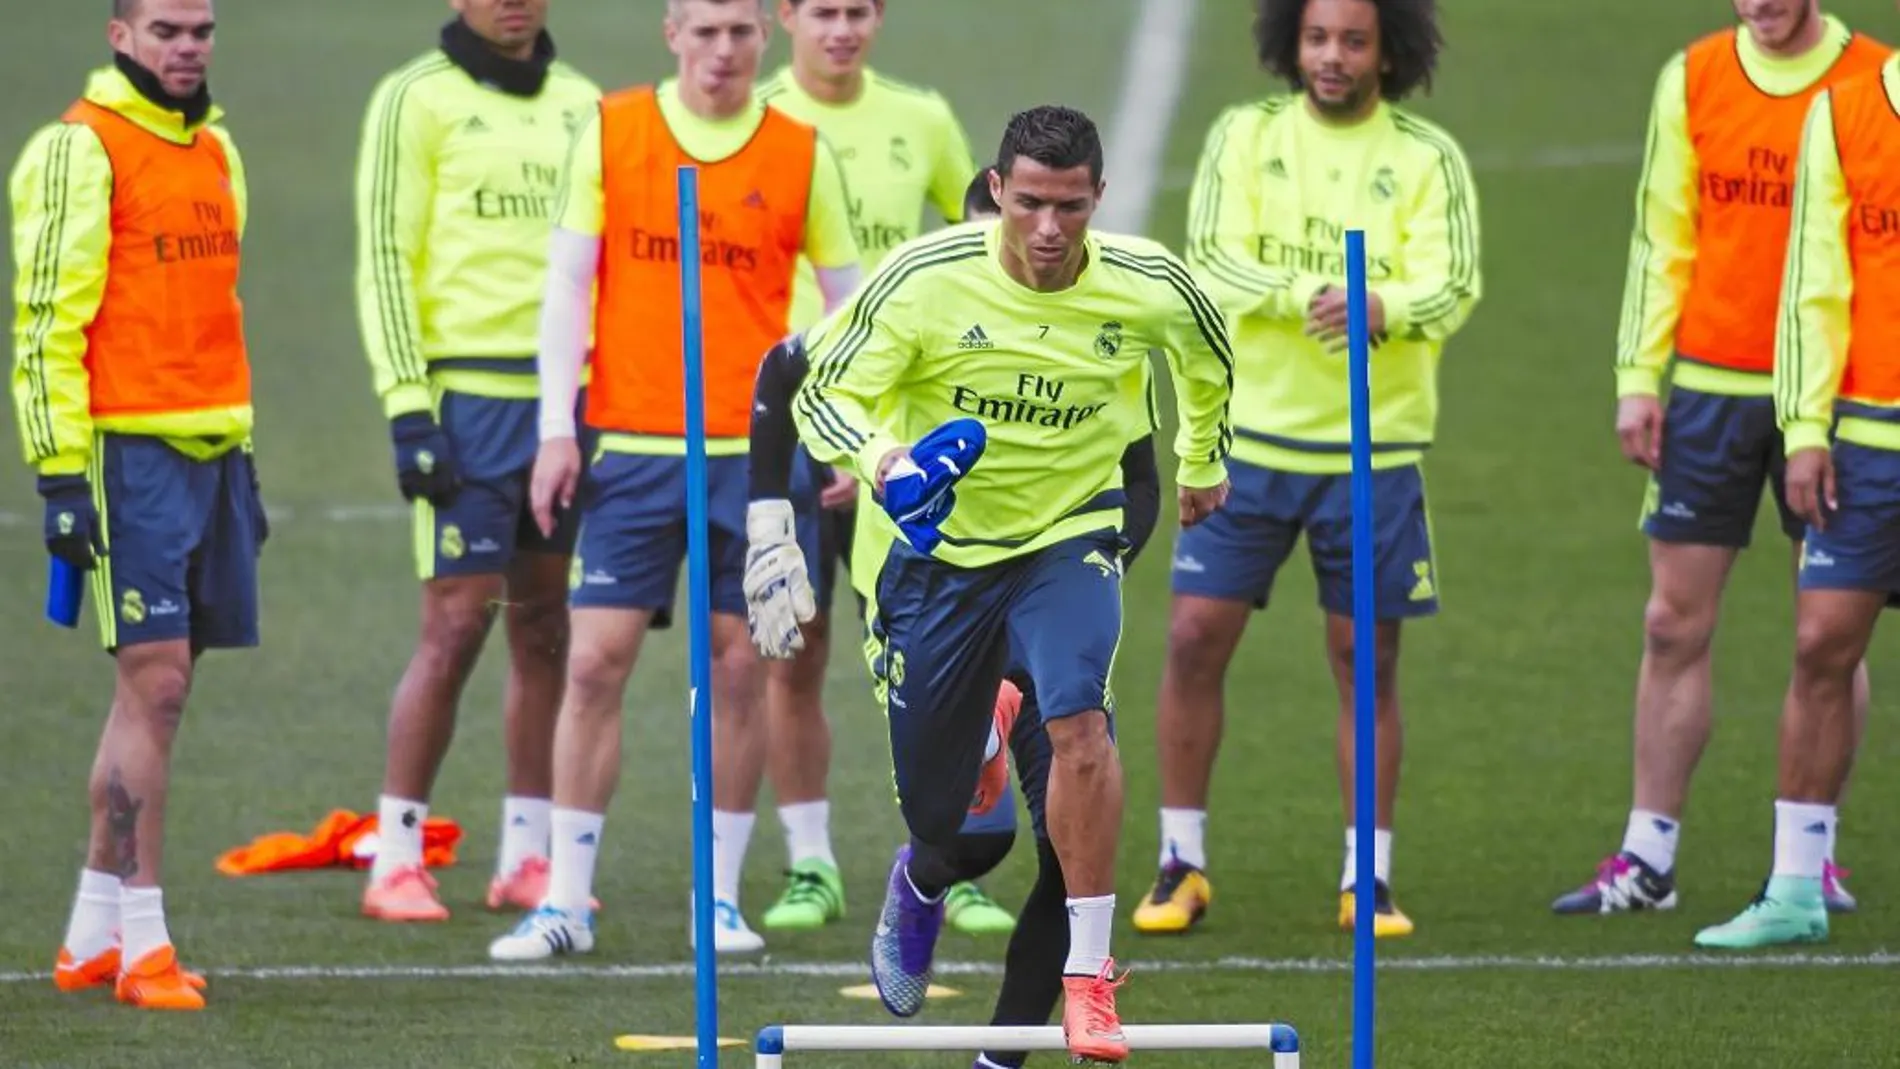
[(969, 857), (1032, 971)]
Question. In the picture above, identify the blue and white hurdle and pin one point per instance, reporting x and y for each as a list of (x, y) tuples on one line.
[(776, 1041)]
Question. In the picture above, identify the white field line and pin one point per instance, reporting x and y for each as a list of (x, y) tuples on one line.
[(857, 970), (1154, 75)]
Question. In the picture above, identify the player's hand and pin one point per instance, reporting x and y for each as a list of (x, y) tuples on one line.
[(260, 520), (557, 474), (1811, 492), (1326, 317), (885, 465), (72, 525), (425, 462), (841, 492), (1639, 427), (778, 593), (1197, 505)]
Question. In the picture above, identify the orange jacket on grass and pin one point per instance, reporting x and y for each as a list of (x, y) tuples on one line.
[(341, 840)]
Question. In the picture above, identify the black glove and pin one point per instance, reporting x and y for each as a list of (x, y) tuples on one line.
[(72, 523), (425, 464), (260, 520)]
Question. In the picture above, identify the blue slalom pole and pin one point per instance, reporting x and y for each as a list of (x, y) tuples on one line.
[(699, 622), (1364, 645)]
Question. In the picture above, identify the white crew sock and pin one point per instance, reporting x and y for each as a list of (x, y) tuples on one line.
[(1181, 832), (1652, 837), (1833, 830), (142, 916), (573, 851), (1381, 858), (808, 832), (94, 926), (1802, 831), (1091, 922), (398, 834), (525, 828), (732, 833)]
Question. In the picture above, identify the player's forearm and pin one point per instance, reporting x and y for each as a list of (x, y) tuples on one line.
[(774, 434), (1429, 309), (566, 311), (1205, 436), (1141, 481)]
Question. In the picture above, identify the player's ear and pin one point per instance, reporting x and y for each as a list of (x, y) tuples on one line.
[(996, 186), (786, 14)]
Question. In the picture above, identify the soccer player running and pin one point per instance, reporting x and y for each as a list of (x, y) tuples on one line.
[(132, 384), (461, 158), (1837, 404), (1033, 967), (1704, 280), (769, 190), (1041, 330), (1279, 183), (900, 147)]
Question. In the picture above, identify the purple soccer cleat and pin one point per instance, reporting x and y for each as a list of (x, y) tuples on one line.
[(905, 942)]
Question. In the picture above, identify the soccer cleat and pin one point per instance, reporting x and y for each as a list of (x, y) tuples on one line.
[(731, 934), (992, 781), (526, 887), (905, 942), (1090, 1024), (156, 982), (1789, 909), (1834, 892), (407, 894), (970, 911), (1624, 883), (1387, 920), (813, 898), (543, 933), (1177, 902), (71, 974)]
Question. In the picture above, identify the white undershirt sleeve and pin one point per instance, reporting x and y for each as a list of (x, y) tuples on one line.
[(566, 311)]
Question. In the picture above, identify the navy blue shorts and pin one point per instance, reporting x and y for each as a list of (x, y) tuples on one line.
[(632, 544), (1235, 554), (950, 634), (1860, 547), (1718, 453), (181, 545), (495, 441)]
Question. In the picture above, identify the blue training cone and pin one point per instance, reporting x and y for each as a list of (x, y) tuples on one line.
[(920, 492)]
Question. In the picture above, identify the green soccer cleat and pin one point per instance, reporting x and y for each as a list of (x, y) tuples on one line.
[(813, 898), (1789, 909), (970, 911)]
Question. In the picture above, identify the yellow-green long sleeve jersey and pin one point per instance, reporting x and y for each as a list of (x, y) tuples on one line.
[(1059, 380), (899, 147), (456, 183), (1837, 344), (61, 191), (1274, 194)]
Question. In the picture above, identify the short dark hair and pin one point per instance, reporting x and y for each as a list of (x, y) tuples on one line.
[(1056, 137), (976, 197), (1409, 42), (124, 9)]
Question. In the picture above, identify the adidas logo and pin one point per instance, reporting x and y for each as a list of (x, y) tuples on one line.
[(1276, 167), (974, 338), (475, 125), (755, 199)]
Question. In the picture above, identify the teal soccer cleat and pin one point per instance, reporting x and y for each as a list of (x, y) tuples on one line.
[(1789, 909)]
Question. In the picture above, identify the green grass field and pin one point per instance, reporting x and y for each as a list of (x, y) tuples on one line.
[(1518, 696)]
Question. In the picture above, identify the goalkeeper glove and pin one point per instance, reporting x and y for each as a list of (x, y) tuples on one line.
[(778, 593), (72, 527), (425, 462)]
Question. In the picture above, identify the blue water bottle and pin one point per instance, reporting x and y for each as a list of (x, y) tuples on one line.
[(65, 587)]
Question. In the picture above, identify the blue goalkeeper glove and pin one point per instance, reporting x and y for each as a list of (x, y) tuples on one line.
[(920, 490), (425, 462)]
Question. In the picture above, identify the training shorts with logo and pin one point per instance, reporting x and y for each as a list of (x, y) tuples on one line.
[(1859, 549), (1235, 554), (948, 635), (182, 540), (1718, 452)]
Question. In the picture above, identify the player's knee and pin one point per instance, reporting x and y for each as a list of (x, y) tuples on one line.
[(597, 675), (539, 628), (1343, 651), (1676, 631), (158, 683), (1822, 651), (453, 629), (1199, 646), (1081, 743)]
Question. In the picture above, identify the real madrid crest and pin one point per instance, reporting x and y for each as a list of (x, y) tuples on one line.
[(1109, 341)]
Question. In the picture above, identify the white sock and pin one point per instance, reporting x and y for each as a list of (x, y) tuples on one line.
[(1091, 922), (807, 831), (575, 848), (142, 918), (94, 926), (525, 829), (1652, 837), (1833, 829), (1802, 831), (1181, 831), (1381, 858), (398, 834), (732, 833)]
